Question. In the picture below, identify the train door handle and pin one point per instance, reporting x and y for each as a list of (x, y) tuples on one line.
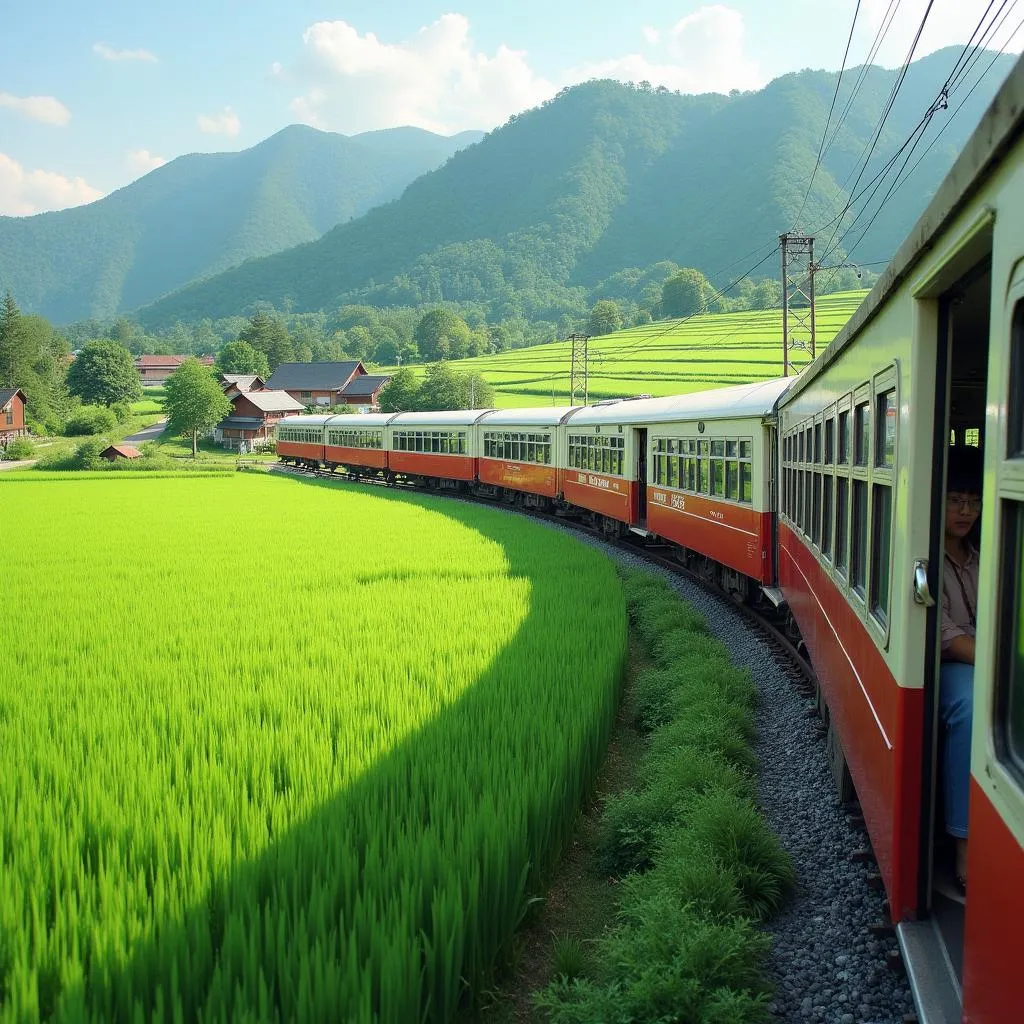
[(922, 592)]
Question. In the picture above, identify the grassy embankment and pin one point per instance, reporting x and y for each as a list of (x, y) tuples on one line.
[(669, 357), (331, 800), (654, 914)]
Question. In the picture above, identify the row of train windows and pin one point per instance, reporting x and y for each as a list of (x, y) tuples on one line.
[(356, 438), (818, 444), (518, 447), (719, 467), (600, 453), (436, 441), (301, 435)]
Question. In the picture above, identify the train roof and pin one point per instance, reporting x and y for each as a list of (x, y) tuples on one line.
[(365, 419), (543, 416), (1000, 127), (444, 418), (305, 421), (736, 402)]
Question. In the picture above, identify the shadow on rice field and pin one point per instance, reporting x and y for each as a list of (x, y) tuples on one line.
[(397, 897)]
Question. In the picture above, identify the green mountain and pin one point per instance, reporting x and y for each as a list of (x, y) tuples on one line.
[(607, 176), (203, 213)]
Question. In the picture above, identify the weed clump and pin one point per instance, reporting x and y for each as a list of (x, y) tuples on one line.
[(699, 867)]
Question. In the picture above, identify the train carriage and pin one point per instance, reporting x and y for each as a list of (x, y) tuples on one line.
[(520, 451), (932, 357), (357, 442), (441, 448), (300, 439)]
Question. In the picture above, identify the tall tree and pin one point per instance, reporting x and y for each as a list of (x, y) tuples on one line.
[(194, 401), (15, 357), (605, 317), (104, 373), (684, 293), (241, 357), (441, 334), (270, 336), (401, 393)]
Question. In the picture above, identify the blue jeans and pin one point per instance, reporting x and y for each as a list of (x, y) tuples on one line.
[(956, 700)]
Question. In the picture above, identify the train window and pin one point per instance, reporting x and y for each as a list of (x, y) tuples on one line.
[(730, 449), (842, 521), (673, 472), (830, 440), (718, 448), (859, 538), (746, 483), (816, 509), (810, 445), (800, 446), (1015, 428), (881, 551), (689, 480), (817, 444), (885, 426), (703, 475), (746, 448), (844, 438), (808, 508), (732, 480), (827, 483), (862, 427), (718, 473), (1009, 712)]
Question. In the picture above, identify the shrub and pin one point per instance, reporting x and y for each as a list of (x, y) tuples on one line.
[(17, 448), (122, 411), (88, 454), (267, 447), (90, 419), (571, 957)]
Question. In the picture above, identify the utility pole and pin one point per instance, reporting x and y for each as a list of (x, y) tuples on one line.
[(472, 392), (578, 367), (798, 267)]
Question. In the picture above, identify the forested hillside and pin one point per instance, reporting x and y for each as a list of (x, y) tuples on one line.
[(206, 212), (605, 177)]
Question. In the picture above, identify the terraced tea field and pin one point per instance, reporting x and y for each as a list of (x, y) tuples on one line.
[(669, 357), (278, 749)]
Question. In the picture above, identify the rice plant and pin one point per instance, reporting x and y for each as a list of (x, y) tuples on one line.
[(275, 749)]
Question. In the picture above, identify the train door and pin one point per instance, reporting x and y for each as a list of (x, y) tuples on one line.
[(640, 437), (961, 350)]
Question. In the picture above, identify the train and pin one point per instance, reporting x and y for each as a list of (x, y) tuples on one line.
[(822, 495)]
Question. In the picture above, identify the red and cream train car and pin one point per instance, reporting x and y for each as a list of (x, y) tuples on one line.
[(934, 355)]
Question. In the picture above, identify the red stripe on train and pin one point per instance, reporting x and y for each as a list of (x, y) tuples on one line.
[(520, 476), (447, 467), (609, 495)]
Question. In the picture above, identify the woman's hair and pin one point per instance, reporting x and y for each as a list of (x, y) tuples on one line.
[(963, 471)]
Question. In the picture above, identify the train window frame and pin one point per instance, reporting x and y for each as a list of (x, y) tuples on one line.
[(882, 476)]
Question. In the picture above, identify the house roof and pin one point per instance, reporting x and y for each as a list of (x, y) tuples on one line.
[(367, 384), (270, 401), (241, 423), (244, 381), (6, 394), (155, 362), (125, 450), (314, 376)]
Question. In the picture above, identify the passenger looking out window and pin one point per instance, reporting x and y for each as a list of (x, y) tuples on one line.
[(959, 621)]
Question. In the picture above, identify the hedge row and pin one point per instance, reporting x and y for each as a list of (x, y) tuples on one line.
[(699, 867)]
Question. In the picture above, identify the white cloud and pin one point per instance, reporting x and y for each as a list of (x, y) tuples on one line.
[(107, 53), (141, 161), (224, 123), (45, 109), (703, 52), (25, 192), (436, 80), (947, 25)]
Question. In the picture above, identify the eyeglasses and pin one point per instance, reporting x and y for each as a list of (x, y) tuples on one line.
[(967, 504)]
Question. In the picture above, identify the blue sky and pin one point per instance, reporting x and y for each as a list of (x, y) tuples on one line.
[(94, 94)]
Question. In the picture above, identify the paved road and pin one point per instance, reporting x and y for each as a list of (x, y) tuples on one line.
[(149, 434), (23, 464)]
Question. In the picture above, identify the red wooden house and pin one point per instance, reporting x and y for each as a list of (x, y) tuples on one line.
[(12, 414), (254, 417), (156, 369)]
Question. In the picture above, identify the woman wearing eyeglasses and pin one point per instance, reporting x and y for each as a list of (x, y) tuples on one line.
[(959, 620)]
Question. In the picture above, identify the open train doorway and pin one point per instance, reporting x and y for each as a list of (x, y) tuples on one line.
[(640, 515), (959, 436)]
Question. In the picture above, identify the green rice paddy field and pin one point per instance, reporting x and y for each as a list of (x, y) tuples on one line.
[(668, 357), (275, 749)]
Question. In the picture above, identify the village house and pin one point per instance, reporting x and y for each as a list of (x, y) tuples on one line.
[(326, 385), (254, 417), (156, 369), (237, 383), (120, 451), (12, 414)]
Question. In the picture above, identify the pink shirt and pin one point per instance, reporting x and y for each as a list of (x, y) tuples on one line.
[(959, 598)]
